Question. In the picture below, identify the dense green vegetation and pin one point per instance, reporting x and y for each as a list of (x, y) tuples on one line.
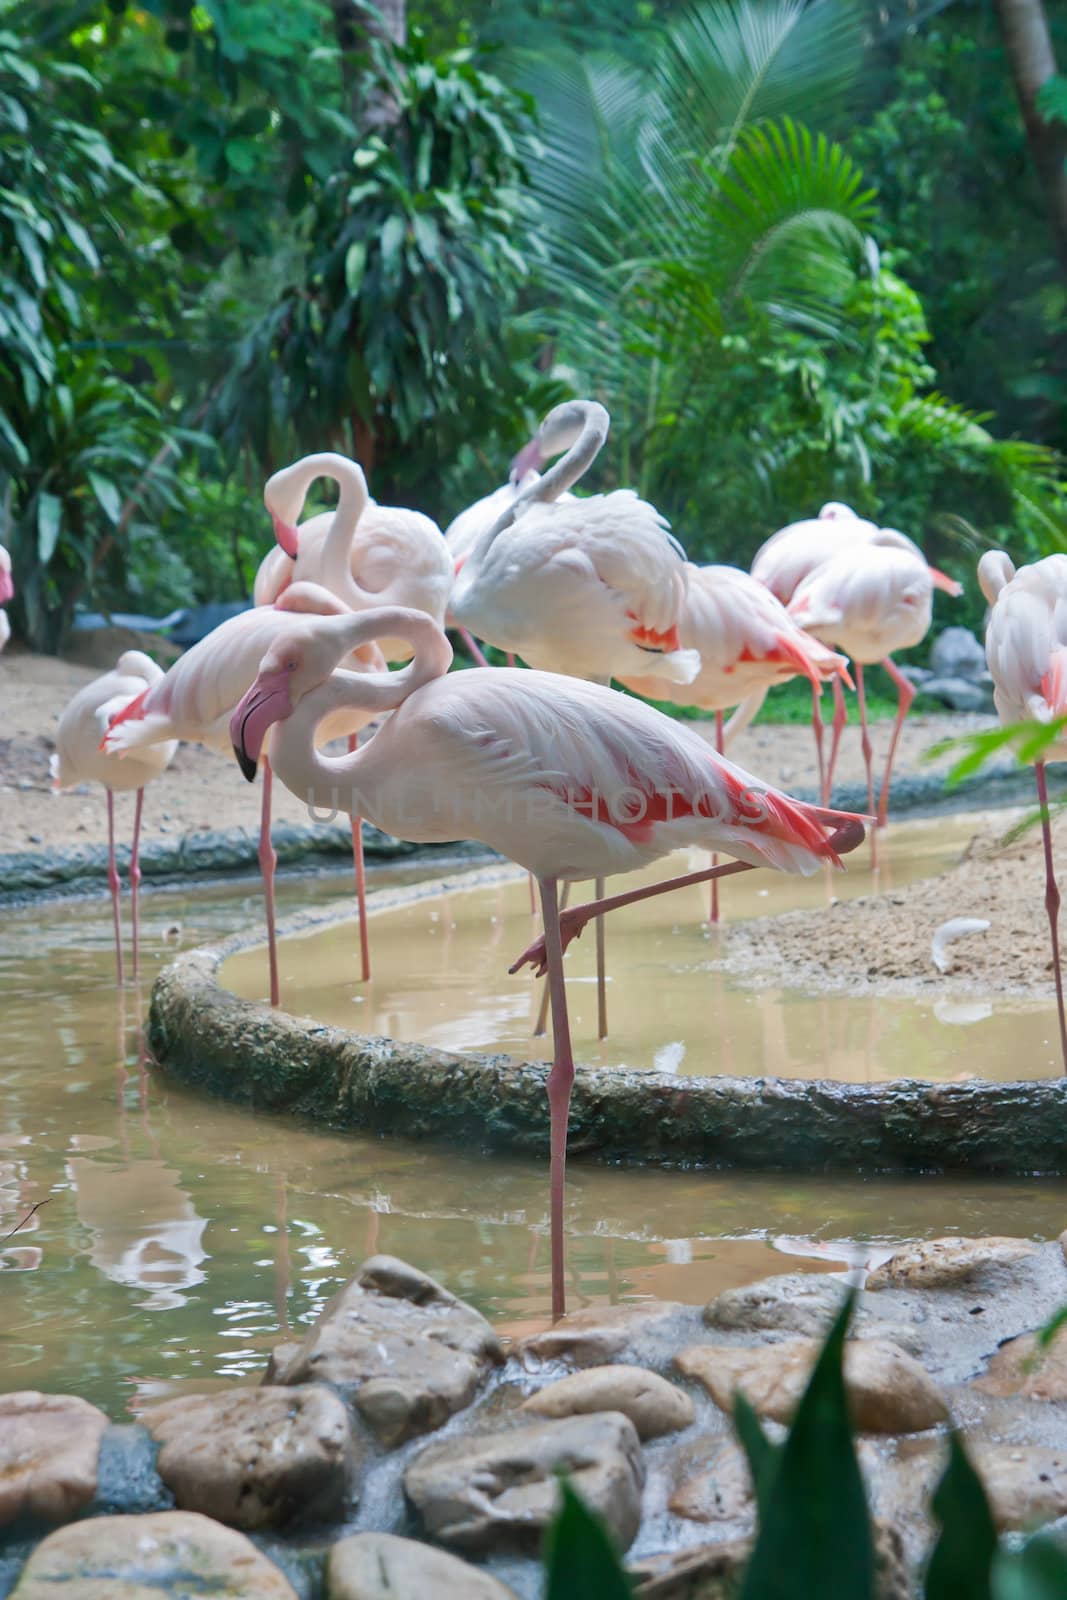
[(800, 248)]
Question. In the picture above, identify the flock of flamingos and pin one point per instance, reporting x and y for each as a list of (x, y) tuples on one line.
[(549, 764)]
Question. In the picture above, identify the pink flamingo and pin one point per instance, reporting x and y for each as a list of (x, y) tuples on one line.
[(1026, 647), (870, 601), (792, 556), (78, 759), (568, 778), (364, 554), (747, 642), (7, 592), (195, 698)]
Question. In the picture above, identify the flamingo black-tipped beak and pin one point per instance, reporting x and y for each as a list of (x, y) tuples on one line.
[(246, 763)]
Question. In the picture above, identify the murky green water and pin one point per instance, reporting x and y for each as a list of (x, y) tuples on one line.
[(180, 1238)]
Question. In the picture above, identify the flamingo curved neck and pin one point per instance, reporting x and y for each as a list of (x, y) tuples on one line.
[(585, 425), (293, 484), (304, 768), (995, 572)]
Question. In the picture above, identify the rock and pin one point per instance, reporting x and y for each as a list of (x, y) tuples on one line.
[(49, 1454), (959, 694), (1026, 1484), (653, 1405), (1063, 1245), (594, 1335), (956, 653), (257, 1458), (889, 1392), (721, 1493), (401, 1347), (500, 1491), (381, 1566), (1021, 1367), (916, 675), (798, 1302), (702, 1572), (947, 1263), (167, 1555)]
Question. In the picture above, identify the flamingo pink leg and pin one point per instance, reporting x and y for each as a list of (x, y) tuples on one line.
[(560, 1081), (268, 860), (113, 885), (361, 879), (542, 1010), (476, 653), (511, 658), (720, 746), (818, 728), (135, 882), (601, 969), (865, 737), (572, 922), (1052, 903), (905, 695), (840, 719)]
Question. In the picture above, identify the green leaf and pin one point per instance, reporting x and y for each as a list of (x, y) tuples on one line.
[(108, 496), (355, 266), (580, 1560), (961, 1564), (49, 513), (241, 155), (79, 238), (1052, 98), (763, 1455), (1036, 1572), (391, 240), (814, 1528)]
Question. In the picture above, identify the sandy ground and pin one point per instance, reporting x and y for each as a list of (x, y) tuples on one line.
[(881, 943), (203, 791)]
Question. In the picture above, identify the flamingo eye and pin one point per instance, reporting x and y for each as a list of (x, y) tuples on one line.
[(290, 666)]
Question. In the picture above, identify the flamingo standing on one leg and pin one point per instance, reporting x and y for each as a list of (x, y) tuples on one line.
[(568, 778), (78, 758), (790, 557), (195, 698), (1026, 647), (747, 643), (365, 554), (593, 588), (7, 592)]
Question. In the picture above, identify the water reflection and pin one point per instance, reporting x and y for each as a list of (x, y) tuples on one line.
[(181, 1238)]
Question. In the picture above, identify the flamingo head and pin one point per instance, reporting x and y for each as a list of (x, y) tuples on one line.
[(297, 662), (995, 571), (529, 459), (7, 588), (286, 535)]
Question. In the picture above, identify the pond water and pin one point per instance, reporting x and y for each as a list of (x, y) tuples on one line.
[(179, 1238), (441, 977)]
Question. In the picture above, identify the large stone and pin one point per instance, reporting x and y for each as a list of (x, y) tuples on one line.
[(701, 1572), (959, 694), (797, 1302), (257, 1458), (167, 1555), (49, 1455), (1026, 1484), (1021, 1367), (653, 1405), (888, 1391), (948, 1263), (500, 1491), (956, 653), (722, 1491), (381, 1566), (596, 1334), (407, 1352)]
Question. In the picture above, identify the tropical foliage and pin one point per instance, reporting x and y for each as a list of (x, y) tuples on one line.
[(772, 235)]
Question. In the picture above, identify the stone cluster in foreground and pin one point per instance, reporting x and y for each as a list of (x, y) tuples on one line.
[(399, 1452)]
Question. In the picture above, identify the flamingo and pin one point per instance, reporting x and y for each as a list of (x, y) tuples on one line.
[(593, 587), (568, 778), (747, 642), (869, 600), (195, 698), (366, 554), (7, 592), (790, 557), (78, 759), (1026, 648)]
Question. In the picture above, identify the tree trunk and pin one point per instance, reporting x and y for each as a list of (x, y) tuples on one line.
[(1028, 44), (355, 25)]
